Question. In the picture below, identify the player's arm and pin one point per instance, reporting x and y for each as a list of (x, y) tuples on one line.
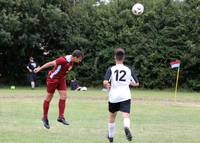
[(49, 64), (134, 80), (28, 68), (107, 76)]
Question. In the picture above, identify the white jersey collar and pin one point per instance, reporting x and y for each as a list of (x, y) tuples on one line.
[(68, 58)]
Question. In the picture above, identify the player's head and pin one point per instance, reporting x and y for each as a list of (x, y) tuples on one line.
[(31, 59), (119, 54), (77, 55)]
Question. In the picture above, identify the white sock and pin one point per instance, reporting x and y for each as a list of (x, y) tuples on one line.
[(127, 122), (32, 84), (111, 129)]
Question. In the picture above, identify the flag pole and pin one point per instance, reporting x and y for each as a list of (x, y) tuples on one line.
[(176, 88)]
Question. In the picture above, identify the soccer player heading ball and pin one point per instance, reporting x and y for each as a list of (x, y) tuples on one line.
[(56, 80), (117, 80)]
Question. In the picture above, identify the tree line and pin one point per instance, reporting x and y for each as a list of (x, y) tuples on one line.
[(46, 29)]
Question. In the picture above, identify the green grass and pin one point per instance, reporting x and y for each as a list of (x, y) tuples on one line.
[(155, 117)]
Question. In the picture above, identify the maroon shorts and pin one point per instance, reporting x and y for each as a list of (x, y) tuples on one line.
[(53, 84)]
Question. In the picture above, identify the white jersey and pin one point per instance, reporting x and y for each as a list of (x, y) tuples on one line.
[(120, 77)]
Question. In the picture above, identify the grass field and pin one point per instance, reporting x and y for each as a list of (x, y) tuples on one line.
[(155, 117)]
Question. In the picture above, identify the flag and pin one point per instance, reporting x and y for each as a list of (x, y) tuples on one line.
[(175, 64)]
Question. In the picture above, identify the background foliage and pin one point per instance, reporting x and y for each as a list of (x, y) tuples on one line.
[(167, 30)]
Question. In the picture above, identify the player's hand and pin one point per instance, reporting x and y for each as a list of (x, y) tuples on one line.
[(108, 86), (69, 69), (30, 70), (133, 84), (36, 70)]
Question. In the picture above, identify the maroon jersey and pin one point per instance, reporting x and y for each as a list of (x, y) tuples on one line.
[(63, 65)]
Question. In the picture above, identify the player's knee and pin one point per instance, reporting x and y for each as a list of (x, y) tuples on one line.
[(125, 115), (111, 120), (63, 97), (49, 97)]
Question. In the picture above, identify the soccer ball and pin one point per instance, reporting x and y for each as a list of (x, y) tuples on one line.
[(137, 9)]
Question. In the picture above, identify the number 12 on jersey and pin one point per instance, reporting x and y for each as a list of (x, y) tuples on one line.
[(120, 75)]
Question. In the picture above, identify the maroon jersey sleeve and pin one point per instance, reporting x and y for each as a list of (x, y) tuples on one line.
[(60, 60)]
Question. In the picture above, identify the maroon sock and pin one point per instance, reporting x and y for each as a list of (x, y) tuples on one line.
[(45, 109), (61, 106)]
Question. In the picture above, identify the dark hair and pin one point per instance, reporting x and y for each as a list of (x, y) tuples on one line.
[(31, 58), (77, 53), (119, 54)]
